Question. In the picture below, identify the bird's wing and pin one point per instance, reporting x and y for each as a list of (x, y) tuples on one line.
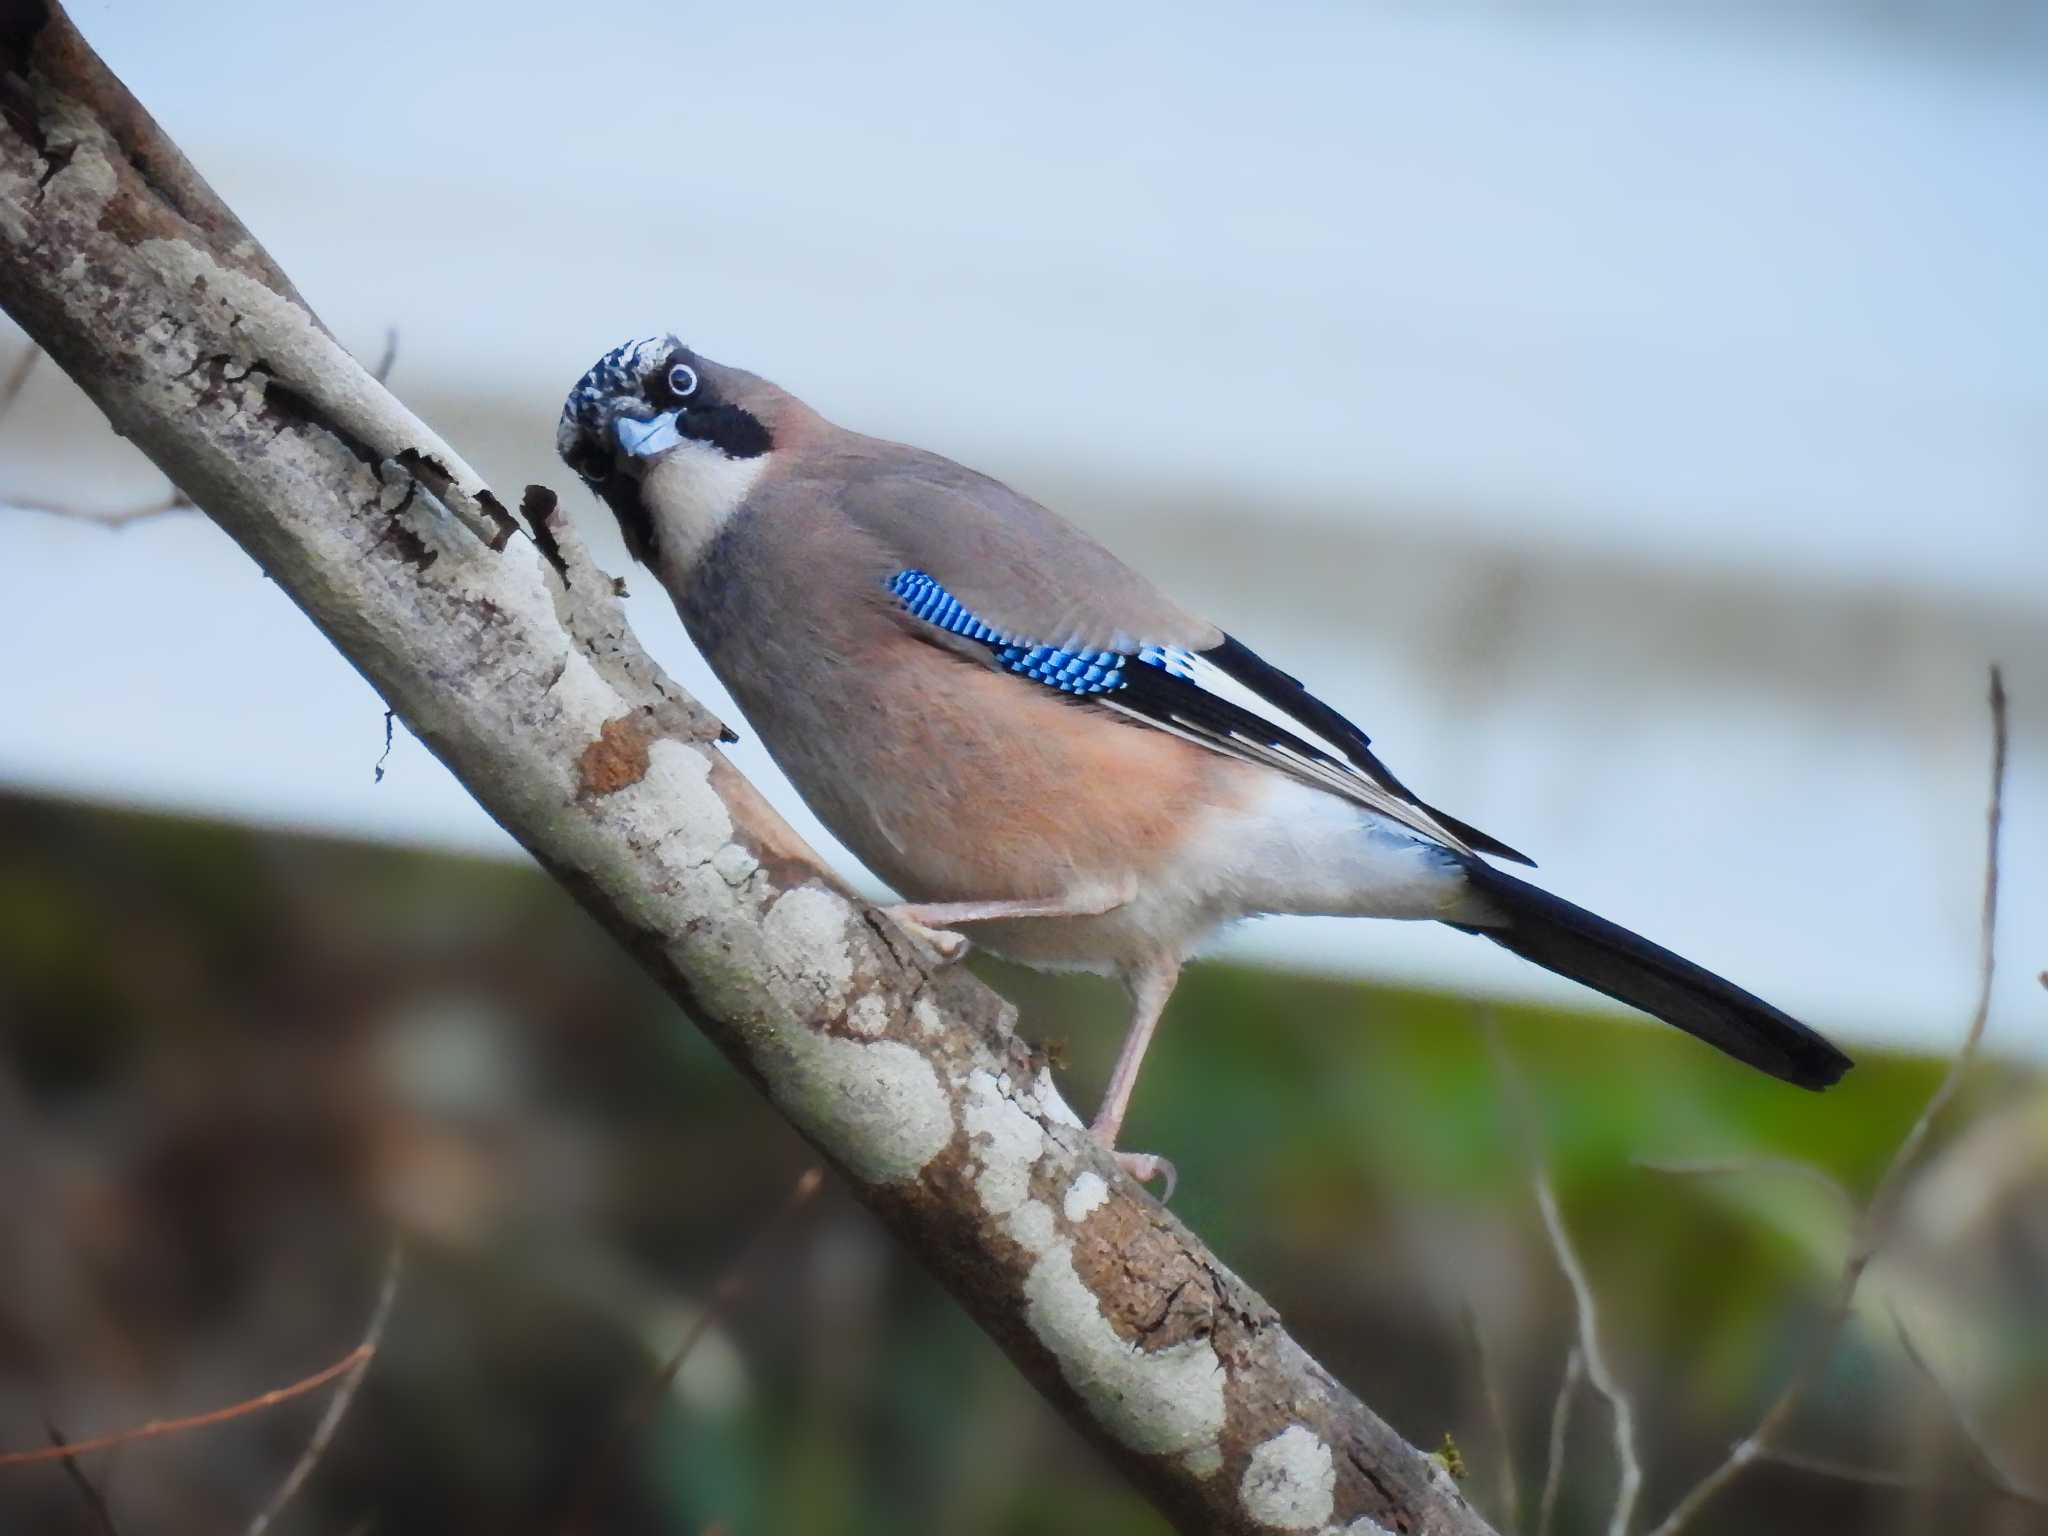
[(995, 576), (1013, 563)]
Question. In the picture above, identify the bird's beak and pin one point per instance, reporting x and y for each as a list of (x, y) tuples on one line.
[(644, 439)]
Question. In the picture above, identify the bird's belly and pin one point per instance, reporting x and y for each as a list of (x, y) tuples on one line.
[(1279, 847), (955, 783)]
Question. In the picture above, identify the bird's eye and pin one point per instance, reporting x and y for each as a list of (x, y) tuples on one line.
[(682, 381)]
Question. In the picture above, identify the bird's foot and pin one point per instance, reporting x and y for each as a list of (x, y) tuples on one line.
[(1142, 1166), (936, 946), (1147, 1166)]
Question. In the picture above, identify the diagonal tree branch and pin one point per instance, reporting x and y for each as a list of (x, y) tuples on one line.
[(513, 663), (116, 518)]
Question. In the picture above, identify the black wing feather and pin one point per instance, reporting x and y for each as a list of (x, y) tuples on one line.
[(1151, 682), (1285, 692)]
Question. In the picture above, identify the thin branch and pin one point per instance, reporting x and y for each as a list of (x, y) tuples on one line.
[(1889, 1188), (104, 517), (95, 1501), (1597, 1370), (1497, 1415), (1844, 1471), (388, 358), (727, 1289), (338, 1406), (17, 377), (1560, 1432), (156, 1428), (1586, 1304), (1981, 1460), (1784, 1167), (1875, 1224), (1885, 1477), (10, 395)]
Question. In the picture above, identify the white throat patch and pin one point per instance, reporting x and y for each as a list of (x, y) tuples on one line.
[(691, 493)]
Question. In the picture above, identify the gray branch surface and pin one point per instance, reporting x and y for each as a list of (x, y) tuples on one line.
[(505, 650)]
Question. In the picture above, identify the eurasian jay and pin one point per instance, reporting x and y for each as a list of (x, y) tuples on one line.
[(1026, 739)]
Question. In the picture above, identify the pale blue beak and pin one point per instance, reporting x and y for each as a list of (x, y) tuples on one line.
[(644, 439)]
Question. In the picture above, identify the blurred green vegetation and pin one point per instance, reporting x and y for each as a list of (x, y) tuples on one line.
[(234, 1063)]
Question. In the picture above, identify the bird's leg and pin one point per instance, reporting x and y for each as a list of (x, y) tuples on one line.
[(1150, 988), (932, 922)]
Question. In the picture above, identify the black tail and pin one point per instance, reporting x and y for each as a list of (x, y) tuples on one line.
[(1573, 942)]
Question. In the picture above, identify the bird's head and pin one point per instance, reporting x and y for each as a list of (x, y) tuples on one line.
[(667, 438)]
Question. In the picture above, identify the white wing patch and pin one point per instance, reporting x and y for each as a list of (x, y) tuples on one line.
[(1212, 679), (1182, 692), (1324, 764)]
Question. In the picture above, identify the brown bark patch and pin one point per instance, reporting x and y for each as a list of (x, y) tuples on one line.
[(1151, 1290), (617, 758)]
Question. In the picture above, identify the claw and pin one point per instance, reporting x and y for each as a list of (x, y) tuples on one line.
[(1147, 1166), (940, 946)]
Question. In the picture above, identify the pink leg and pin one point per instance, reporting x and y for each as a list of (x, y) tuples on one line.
[(1149, 991), (943, 914), (932, 922)]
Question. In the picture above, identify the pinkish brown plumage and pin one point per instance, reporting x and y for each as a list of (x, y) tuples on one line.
[(1026, 738)]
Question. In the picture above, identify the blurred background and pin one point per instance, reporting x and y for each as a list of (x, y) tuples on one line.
[(1635, 417)]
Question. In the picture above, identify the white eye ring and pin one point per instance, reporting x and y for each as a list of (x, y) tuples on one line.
[(682, 381)]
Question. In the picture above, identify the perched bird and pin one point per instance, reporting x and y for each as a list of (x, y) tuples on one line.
[(1029, 740)]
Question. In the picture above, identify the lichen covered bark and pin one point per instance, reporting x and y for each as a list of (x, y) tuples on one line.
[(511, 659)]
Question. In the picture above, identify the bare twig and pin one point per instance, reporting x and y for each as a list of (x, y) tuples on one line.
[(95, 1501), (1497, 1415), (1560, 1433), (156, 1428), (1886, 1477), (728, 1288), (388, 358), (1875, 1224), (1587, 1306), (120, 517), (105, 517), (1982, 1462), (17, 376), (1597, 1370), (1845, 1471), (338, 1406), (1885, 1199), (1785, 1167)]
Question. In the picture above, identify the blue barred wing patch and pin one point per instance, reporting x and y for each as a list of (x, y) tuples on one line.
[(923, 598), (1078, 671), (1196, 695)]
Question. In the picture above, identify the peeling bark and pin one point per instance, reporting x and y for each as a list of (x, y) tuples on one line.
[(511, 659)]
